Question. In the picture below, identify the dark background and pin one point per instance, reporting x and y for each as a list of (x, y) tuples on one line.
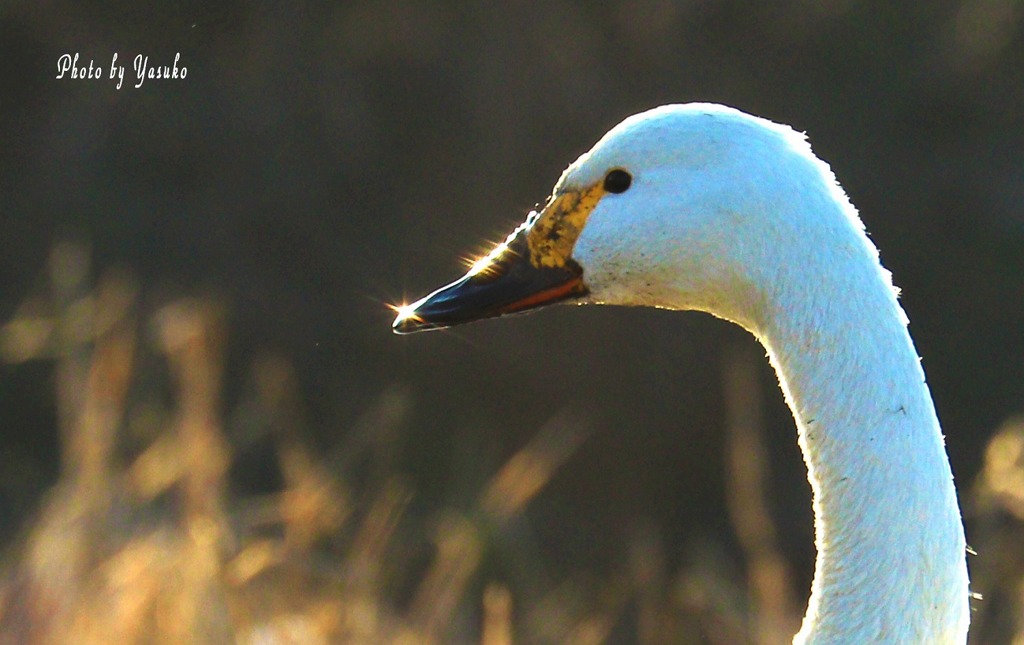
[(324, 159)]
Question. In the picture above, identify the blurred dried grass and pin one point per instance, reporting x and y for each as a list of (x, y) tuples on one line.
[(995, 513), (142, 541)]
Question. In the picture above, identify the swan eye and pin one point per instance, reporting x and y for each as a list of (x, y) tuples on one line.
[(617, 181)]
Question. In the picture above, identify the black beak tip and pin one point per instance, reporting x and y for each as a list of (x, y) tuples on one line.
[(401, 326), (430, 313), (476, 296), (449, 305), (407, 323)]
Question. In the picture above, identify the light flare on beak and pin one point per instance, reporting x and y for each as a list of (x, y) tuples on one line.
[(532, 268)]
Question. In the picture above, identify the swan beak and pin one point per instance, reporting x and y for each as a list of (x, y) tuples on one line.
[(504, 282)]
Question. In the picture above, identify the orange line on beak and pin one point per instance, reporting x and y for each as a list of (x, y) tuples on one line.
[(541, 297)]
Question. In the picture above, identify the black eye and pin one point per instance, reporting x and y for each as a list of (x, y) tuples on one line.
[(617, 181)]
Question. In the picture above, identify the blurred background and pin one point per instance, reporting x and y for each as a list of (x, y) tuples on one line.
[(208, 432)]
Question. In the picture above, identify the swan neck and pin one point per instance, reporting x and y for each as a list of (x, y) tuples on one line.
[(890, 561)]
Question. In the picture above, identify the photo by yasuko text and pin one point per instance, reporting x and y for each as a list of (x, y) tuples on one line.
[(68, 66)]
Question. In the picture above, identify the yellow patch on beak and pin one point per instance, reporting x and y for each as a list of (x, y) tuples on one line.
[(532, 268), (553, 236)]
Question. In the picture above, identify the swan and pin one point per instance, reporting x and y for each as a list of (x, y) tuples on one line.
[(703, 207)]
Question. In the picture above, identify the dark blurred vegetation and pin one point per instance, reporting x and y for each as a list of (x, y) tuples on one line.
[(322, 160)]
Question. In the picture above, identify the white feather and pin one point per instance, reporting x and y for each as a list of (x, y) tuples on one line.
[(734, 215)]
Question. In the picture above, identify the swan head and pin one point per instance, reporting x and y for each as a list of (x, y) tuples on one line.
[(693, 206)]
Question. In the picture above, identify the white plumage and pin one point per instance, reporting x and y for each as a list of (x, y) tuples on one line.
[(734, 215)]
